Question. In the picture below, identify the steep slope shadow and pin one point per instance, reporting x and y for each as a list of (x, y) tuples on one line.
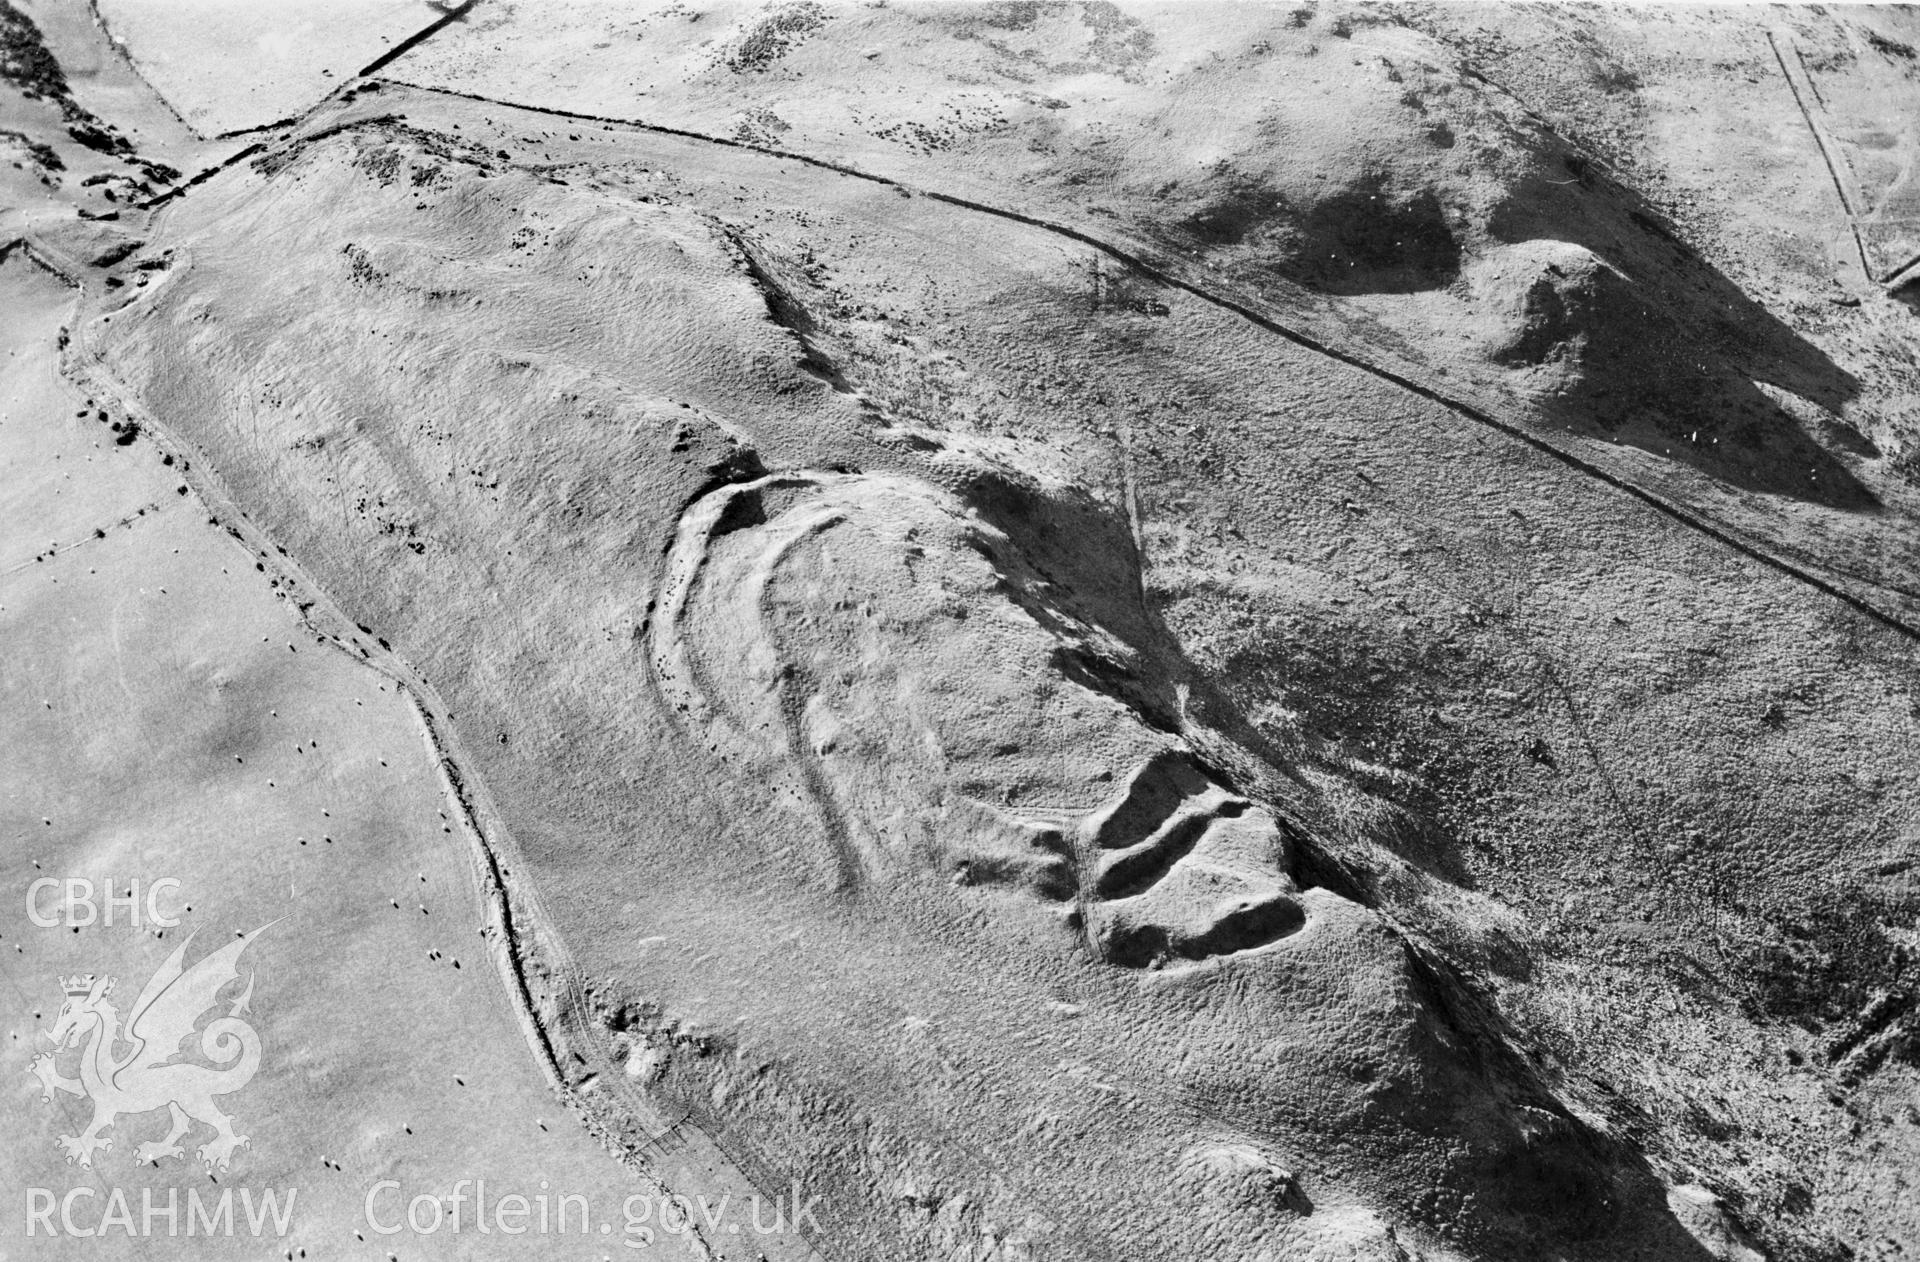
[(1364, 236), (1620, 328), (1454, 224)]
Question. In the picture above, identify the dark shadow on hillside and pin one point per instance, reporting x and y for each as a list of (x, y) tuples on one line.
[(1541, 1176), (1655, 347), (1650, 344), (1547, 1175), (1367, 238)]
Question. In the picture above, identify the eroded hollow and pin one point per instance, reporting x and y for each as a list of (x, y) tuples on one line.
[(1242, 928)]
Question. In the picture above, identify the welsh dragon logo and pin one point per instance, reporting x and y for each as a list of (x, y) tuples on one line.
[(148, 1074)]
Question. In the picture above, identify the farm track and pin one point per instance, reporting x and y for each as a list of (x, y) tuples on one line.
[(1169, 273), (1261, 314)]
